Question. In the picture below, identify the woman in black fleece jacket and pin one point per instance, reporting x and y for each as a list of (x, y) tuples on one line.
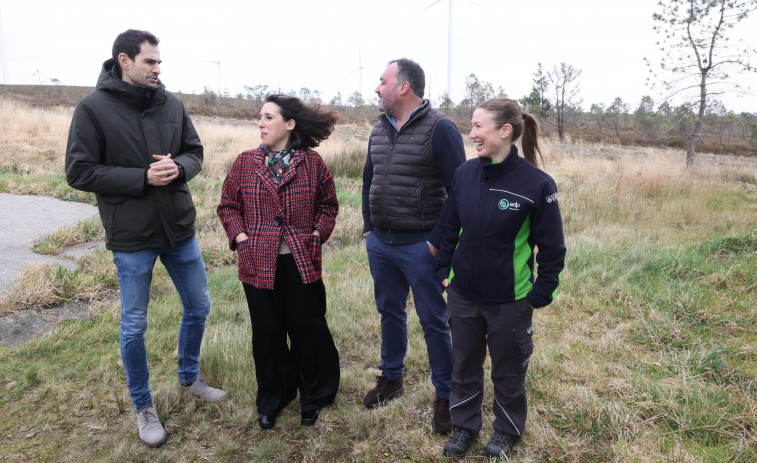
[(500, 208)]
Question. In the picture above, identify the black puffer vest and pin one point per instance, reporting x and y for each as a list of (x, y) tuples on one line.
[(407, 191)]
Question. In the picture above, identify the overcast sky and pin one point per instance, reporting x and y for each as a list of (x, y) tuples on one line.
[(343, 45)]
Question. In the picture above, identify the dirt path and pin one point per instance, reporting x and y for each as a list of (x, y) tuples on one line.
[(24, 220)]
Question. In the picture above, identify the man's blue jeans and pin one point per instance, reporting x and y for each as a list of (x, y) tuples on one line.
[(396, 269), (187, 270)]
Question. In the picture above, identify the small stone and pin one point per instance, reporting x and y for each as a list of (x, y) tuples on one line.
[(10, 385)]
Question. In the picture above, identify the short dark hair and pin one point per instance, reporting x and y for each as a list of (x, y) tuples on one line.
[(412, 72), (130, 42), (312, 124)]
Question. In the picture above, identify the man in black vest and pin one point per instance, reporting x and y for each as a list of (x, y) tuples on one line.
[(412, 156)]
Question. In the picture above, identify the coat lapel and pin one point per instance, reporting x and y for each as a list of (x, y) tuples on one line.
[(289, 174), (269, 182)]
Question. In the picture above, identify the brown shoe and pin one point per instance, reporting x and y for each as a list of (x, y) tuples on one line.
[(441, 421), (385, 390)]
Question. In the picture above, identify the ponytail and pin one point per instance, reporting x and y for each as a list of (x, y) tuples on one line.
[(530, 142)]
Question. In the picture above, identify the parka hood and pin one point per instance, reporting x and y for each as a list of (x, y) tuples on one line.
[(111, 82)]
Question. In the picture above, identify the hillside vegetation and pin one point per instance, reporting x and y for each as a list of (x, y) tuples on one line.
[(648, 355), (629, 124)]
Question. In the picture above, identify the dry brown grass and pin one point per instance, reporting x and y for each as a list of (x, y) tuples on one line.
[(41, 286), (34, 140)]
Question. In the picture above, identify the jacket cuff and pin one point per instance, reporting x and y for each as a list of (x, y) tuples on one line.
[(232, 232), (434, 237), (324, 234), (537, 302)]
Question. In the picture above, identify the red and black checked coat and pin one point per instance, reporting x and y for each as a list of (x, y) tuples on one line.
[(252, 202)]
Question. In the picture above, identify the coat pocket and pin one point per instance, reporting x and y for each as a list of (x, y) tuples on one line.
[(128, 218), (316, 252), (246, 257)]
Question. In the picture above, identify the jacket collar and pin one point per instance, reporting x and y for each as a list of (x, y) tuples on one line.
[(416, 114), (492, 169)]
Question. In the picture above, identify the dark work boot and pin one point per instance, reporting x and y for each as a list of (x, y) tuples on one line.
[(461, 441), (500, 445), (441, 421), (385, 390)]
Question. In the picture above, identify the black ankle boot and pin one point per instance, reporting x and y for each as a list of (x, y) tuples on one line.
[(267, 421), (309, 418)]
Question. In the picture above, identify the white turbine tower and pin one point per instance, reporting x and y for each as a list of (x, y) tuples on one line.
[(449, 51), (219, 73), (3, 59), (449, 39), (450, 15), (359, 71)]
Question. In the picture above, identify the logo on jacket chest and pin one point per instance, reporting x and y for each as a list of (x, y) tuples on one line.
[(505, 205)]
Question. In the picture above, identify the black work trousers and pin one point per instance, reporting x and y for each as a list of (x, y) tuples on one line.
[(507, 330), (310, 362)]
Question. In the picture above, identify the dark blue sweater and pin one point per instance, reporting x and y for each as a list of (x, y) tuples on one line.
[(494, 217)]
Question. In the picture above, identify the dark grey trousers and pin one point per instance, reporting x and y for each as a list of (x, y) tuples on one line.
[(508, 332)]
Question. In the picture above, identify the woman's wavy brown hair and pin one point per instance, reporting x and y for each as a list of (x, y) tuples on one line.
[(312, 124)]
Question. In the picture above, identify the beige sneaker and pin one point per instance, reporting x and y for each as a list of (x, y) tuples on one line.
[(151, 431), (209, 394)]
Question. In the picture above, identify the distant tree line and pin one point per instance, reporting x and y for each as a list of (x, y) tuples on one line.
[(555, 100), (552, 99)]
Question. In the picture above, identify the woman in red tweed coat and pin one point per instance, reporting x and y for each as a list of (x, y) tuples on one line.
[(278, 207)]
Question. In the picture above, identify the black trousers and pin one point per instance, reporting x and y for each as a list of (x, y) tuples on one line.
[(310, 362), (507, 330)]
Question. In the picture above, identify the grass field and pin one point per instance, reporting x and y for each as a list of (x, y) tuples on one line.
[(648, 355)]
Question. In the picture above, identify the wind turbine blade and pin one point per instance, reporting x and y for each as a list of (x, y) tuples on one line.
[(421, 11), (353, 72), (482, 8)]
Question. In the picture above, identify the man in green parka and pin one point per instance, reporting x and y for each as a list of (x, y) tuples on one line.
[(132, 144)]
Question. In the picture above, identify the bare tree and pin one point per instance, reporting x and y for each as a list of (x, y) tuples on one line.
[(56, 82), (598, 110), (697, 56), (355, 100), (336, 100), (38, 77), (748, 124), (445, 102), (537, 102), (476, 92), (563, 79), (647, 120), (616, 110), (257, 95)]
